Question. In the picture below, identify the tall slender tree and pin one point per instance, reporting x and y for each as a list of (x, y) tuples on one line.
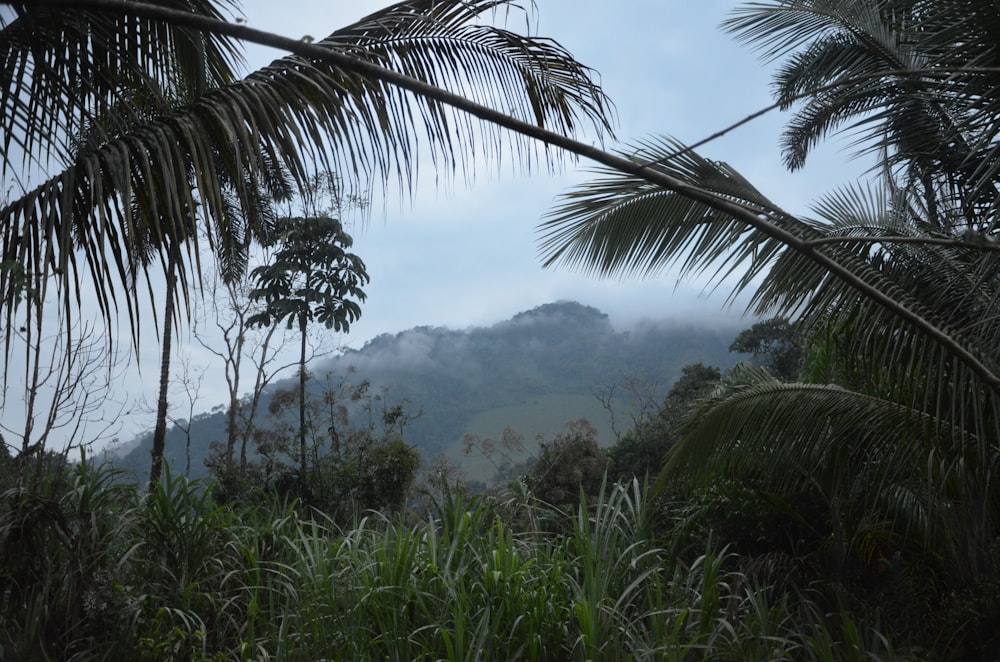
[(311, 277)]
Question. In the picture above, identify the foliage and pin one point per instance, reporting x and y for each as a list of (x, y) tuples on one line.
[(642, 450), (775, 343), (886, 448), (569, 465), (913, 84), (64, 538), (508, 456), (544, 364), (357, 458), (867, 498), (174, 576), (310, 277)]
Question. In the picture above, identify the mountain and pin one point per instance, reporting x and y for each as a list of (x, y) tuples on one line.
[(533, 372)]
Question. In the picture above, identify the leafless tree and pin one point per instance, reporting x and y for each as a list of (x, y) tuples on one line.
[(65, 389), (252, 357), (642, 401), (188, 380)]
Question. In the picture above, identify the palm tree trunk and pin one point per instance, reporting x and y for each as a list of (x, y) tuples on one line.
[(160, 432), (930, 200)]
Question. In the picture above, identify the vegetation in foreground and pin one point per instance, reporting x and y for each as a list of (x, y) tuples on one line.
[(846, 510), (571, 556), (99, 570)]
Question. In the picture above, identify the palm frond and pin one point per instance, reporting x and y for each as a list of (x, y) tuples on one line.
[(622, 225), (954, 288), (63, 70), (778, 28), (884, 460), (299, 115), (963, 40), (870, 67)]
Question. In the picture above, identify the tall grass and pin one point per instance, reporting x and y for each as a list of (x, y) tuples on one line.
[(103, 572), (64, 542)]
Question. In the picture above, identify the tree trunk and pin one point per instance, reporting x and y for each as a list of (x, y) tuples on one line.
[(236, 358), (160, 432), (231, 431), (302, 399)]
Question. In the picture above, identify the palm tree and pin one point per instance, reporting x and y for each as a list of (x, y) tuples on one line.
[(65, 68), (925, 387), (907, 409), (895, 433), (255, 223), (887, 450), (909, 77), (246, 223)]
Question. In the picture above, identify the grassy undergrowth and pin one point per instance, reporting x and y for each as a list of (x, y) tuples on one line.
[(94, 570)]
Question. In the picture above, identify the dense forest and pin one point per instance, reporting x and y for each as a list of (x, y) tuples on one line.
[(832, 497)]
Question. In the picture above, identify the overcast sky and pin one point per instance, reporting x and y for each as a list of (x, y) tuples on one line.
[(459, 257)]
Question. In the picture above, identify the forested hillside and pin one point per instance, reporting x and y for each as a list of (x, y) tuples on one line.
[(450, 379)]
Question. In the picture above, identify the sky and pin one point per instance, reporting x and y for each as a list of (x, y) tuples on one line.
[(460, 256)]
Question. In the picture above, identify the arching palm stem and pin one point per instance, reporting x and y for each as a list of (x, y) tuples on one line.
[(753, 218)]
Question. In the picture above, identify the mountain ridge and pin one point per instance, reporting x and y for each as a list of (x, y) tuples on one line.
[(453, 376)]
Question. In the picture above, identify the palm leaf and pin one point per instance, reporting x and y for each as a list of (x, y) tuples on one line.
[(63, 71), (623, 225), (620, 225), (295, 114), (871, 68), (955, 288), (778, 28), (873, 460)]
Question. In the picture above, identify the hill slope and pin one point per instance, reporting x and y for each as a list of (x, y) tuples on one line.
[(533, 372)]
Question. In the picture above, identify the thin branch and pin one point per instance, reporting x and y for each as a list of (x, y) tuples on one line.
[(945, 72), (931, 241)]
